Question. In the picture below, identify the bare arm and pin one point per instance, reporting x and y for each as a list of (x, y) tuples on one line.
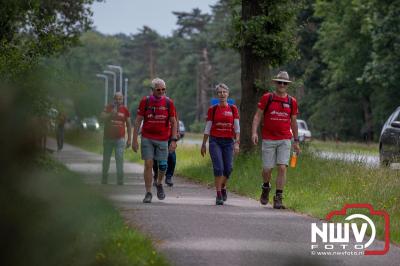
[(295, 131), (136, 126), (256, 122), (174, 127)]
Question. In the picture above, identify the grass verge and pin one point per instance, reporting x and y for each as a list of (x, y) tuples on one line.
[(315, 187), (61, 221), (347, 147)]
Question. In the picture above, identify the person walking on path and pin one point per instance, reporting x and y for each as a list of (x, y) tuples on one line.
[(171, 162), (115, 117), (61, 119), (280, 112), (223, 130), (158, 114)]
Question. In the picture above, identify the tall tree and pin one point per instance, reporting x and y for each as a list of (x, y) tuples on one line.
[(265, 37)]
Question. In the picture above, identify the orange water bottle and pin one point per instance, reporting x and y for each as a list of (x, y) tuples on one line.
[(293, 160)]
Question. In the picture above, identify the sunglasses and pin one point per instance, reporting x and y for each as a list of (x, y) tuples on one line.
[(282, 83), (163, 89)]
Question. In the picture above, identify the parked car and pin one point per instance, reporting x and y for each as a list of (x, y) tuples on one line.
[(304, 132), (182, 129), (389, 141), (90, 123)]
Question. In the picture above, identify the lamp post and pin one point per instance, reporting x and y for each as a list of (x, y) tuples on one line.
[(115, 78), (120, 75), (126, 92), (105, 87)]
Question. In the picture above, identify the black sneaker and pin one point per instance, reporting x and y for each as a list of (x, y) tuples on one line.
[(224, 194), (168, 181), (147, 197), (160, 192), (265, 195), (278, 202), (219, 201)]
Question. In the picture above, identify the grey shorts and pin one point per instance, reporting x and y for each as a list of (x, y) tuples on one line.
[(275, 152), (154, 149)]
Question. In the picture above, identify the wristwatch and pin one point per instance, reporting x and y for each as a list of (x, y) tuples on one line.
[(296, 139), (174, 139)]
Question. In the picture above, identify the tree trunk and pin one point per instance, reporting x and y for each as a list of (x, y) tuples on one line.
[(203, 86), (254, 76)]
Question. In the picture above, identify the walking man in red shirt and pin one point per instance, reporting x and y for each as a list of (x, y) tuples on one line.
[(115, 117), (158, 114), (280, 112)]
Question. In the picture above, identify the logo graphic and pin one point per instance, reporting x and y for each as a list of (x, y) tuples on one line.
[(335, 237)]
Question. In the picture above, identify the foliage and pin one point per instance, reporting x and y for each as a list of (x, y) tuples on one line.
[(30, 29)]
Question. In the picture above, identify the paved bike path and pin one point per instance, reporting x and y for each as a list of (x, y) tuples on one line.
[(189, 229)]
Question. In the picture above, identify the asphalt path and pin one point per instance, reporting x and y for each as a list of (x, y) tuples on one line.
[(189, 229)]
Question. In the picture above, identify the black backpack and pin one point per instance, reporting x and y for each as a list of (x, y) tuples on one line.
[(215, 109), (271, 99), (167, 105)]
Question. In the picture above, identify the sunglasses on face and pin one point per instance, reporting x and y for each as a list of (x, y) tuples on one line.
[(162, 89), (282, 83)]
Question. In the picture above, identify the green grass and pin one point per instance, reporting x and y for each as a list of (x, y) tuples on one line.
[(315, 187), (350, 147), (62, 221), (92, 141)]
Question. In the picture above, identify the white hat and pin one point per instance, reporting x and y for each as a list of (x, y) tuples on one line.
[(282, 76)]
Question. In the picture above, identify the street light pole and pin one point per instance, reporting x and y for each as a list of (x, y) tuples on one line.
[(120, 75), (105, 87), (115, 78), (126, 92)]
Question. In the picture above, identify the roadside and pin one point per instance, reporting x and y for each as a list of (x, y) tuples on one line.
[(58, 220), (190, 230)]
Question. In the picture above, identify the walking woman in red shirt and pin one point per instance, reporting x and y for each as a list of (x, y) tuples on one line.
[(223, 129)]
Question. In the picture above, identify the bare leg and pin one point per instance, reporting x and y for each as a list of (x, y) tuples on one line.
[(148, 174)]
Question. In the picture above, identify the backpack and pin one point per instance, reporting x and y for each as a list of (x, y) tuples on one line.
[(215, 109), (167, 105), (271, 99)]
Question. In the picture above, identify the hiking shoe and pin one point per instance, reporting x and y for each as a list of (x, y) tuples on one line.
[(168, 181), (265, 195), (160, 192), (219, 201), (224, 194), (147, 197), (278, 202)]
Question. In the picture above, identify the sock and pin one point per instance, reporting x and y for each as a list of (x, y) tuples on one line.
[(266, 185), (219, 194), (278, 191)]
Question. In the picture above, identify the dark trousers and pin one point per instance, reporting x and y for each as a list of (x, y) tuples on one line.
[(221, 153), (60, 137), (170, 167)]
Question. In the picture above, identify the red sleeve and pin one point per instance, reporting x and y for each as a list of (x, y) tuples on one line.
[(142, 106), (235, 112), (295, 109), (263, 101), (172, 111), (209, 113)]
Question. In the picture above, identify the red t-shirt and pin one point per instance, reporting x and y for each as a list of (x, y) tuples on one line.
[(115, 127), (222, 125), (278, 116), (156, 123)]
